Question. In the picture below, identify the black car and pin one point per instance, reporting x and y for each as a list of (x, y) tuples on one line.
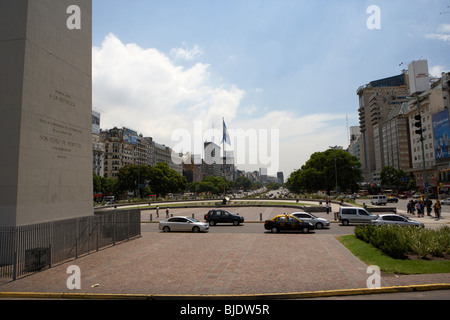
[(222, 216), (287, 222)]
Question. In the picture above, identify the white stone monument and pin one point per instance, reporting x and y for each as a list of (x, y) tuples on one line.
[(45, 111)]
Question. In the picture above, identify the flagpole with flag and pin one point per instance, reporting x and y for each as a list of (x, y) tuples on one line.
[(225, 138)]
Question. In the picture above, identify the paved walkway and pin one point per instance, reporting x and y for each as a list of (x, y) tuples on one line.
[(216, 264)]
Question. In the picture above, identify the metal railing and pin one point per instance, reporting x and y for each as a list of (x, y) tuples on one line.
[(25, 249)]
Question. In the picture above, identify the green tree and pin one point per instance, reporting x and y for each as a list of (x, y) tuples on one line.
[(319, 173), (130, 176), (243, 183), (164, 180), (392, 177), (214, 184)]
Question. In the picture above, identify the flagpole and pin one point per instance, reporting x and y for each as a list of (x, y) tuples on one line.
[(223, 160)]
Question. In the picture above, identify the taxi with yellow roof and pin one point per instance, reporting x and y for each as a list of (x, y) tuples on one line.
[(286, 222)]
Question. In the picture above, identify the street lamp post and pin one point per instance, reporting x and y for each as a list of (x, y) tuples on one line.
[(420, 131), (335, 167)]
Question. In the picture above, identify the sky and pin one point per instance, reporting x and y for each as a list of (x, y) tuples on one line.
[(282, 74)]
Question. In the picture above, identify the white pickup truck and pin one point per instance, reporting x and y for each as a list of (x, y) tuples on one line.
[(349, 215)]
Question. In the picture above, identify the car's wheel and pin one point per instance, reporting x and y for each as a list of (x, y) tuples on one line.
[(196, 229), (212, 223), (319, 225), (345, 222), (305, 230), (166, 229), (275, 230), (235, 223)]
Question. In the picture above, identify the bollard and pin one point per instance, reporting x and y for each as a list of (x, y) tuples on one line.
[(151, 217), (260, 217), (193, 216)]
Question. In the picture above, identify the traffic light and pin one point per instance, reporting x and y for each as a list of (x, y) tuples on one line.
[(418, 124)]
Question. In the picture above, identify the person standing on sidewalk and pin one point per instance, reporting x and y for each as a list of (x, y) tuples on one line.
[(437, 209)]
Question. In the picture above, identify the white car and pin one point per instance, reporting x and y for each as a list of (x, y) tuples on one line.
[(395, 219), (183, 224), (319, 223), (446, 201)]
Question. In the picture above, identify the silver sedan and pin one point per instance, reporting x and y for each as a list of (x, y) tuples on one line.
[(319, 223), (395, 219), (183, 224)]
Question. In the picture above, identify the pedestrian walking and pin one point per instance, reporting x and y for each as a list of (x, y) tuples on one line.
[(328, 207), (157, 211), (167, 212), (429, 204)]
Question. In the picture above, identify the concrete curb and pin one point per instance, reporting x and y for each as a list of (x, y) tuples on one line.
[(269, 296)]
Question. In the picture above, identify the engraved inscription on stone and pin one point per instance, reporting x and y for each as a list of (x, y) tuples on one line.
[(63, 98)]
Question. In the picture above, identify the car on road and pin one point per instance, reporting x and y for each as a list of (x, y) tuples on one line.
[(287, 223), (183, 224), (379, 200), (319, 223), (391, 199), (446, 201), (216, 216), (395, 219), (349, 215)]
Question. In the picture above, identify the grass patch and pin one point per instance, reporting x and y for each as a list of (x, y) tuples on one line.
[(372, 256)]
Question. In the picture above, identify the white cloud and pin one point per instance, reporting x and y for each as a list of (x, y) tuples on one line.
[(436, 71), (442, 33), (144, 90), (186, 54)]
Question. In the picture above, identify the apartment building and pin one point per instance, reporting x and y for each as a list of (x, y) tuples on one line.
[(377, 99)]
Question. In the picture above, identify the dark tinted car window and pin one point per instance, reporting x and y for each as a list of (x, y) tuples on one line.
[(348, 211)]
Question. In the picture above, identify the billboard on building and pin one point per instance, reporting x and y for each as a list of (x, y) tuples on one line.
[(95, 122), (418, 76), (441, 132), (130, 136)]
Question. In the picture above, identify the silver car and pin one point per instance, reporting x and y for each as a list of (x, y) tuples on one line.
[(319, 223), (395, 219), (183, 224)]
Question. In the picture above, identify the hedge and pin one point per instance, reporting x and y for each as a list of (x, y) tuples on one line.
[(399, 241)]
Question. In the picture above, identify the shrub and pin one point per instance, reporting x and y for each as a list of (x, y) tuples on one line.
[(398, 241)]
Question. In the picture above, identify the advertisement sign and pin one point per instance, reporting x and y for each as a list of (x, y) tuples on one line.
[(130, 136), (441, 132), (95, 122), (418, 76)]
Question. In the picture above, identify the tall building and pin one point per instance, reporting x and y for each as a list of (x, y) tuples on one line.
[(396, 142), (431, 104), (376, 101)]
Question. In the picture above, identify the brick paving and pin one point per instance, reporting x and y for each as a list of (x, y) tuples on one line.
[(216, 263)]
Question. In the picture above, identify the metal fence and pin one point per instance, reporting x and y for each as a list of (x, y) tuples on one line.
[(26, 249)]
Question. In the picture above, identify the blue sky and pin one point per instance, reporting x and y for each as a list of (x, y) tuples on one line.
[(287, 65)]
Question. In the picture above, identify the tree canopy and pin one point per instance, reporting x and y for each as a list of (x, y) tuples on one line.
[(160, 179), (319, 173)]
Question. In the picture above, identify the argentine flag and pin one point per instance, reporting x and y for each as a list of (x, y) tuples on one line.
[(226, 136)]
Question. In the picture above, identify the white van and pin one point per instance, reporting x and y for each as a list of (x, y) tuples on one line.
[(379, 200)]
